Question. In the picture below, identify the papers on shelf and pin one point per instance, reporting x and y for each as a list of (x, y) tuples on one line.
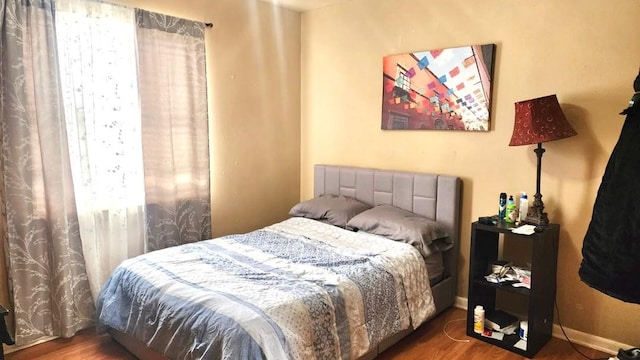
[(516, 276), (521, 344), (524, 229), (502, 321), (493, 334)]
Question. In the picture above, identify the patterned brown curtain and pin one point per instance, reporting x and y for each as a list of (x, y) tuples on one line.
[(47, 273), (175, 135)]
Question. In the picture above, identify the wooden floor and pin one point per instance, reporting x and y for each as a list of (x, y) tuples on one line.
[(429, 342)]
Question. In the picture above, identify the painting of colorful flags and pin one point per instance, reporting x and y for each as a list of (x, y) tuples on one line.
[(449, 76)]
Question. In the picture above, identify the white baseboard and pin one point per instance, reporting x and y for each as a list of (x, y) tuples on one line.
[(12, 348), (591, 341), (577, 337), (461, 303)]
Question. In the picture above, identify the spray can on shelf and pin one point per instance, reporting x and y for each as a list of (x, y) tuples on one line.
[(510, 212), (524, 206), (478, 319), (502, 206)]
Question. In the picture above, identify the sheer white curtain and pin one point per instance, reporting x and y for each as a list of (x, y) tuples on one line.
[(135, 101), (97, 52)]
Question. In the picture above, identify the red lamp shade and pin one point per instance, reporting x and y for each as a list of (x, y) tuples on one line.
[(540, 120)]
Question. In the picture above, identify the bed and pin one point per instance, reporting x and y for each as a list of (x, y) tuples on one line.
[(319, 290)]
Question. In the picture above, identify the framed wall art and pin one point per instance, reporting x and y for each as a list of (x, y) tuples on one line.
[(442, 89)]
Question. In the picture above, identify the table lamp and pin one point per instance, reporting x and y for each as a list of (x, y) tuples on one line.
[(536, 121)]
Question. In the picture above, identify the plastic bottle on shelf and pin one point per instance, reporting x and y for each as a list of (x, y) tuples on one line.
[(524, 330), (524, 206), (478, 319), (510, 213)]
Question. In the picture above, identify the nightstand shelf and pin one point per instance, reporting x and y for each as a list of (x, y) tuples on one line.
[(504, 287), (491, 243)]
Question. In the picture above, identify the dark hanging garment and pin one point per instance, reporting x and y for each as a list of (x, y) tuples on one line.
[(611, 248)]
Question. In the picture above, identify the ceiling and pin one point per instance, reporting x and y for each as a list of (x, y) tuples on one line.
[(304, 5)]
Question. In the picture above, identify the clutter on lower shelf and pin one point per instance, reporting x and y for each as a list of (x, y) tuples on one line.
[(505, 272), (501, 321)]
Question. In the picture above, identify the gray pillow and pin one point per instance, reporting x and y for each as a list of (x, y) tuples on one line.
[(333, 209), (426, 235)]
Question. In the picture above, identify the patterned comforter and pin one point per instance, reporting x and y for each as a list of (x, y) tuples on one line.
[(299, 289)]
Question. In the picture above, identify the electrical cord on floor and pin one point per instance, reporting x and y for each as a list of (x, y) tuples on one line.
[(444, 330), (569, 340), (555, 301)]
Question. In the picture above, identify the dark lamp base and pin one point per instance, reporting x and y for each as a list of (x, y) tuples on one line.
[(537, 217)]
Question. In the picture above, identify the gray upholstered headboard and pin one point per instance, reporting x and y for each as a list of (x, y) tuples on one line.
[(434, 196)]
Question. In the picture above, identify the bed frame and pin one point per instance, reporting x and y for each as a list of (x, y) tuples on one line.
[(434, 196)]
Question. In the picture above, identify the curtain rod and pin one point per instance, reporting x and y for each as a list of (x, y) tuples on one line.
[(207, 24)]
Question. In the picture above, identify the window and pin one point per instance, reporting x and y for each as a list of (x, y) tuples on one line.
[(98, 68), (402, 79)]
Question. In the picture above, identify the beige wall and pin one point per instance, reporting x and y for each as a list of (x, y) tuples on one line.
[(587, 54)]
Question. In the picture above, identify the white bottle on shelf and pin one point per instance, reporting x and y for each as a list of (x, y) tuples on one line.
[(478, 319), (524, 206)]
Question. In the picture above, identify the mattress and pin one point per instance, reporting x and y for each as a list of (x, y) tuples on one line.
[(299, 289), (435, 267)]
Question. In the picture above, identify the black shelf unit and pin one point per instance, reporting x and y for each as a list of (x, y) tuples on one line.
[(538, 300)]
